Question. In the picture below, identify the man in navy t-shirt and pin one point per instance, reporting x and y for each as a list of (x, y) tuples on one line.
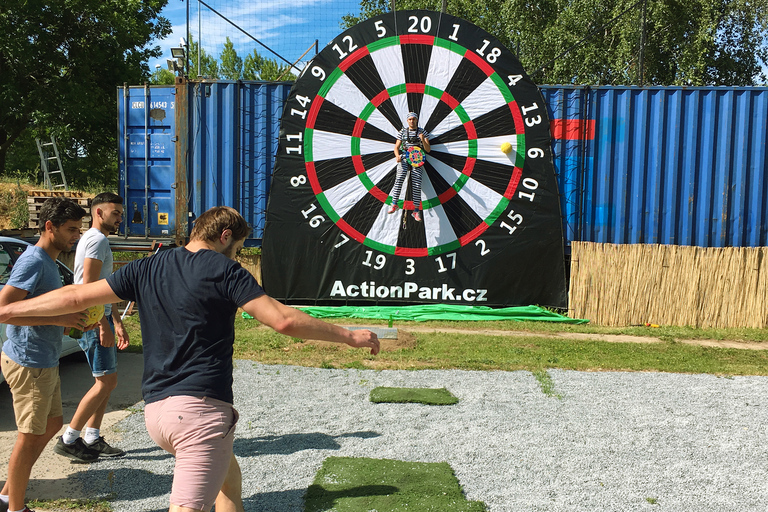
[(187, 299)]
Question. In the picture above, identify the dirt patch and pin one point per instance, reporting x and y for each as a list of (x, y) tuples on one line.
[(611, 338)]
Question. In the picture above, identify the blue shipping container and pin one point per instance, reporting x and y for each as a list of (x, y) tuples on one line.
[(147, 161), (667, 165), (189, 147), (662, 165)]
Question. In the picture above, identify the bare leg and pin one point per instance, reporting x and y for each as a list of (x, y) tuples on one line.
[(94, 403), (230, 498), (25, 453)]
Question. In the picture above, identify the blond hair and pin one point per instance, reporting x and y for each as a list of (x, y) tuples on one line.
[(211, 224)]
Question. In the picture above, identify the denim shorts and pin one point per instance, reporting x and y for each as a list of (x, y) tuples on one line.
[(102, 360)]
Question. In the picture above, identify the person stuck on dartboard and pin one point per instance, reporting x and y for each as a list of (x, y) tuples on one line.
[(413, 140)]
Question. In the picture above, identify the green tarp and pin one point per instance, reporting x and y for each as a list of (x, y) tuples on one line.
[(442, 312)]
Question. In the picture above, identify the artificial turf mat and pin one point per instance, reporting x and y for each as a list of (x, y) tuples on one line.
[(428, 396), (360, 484)]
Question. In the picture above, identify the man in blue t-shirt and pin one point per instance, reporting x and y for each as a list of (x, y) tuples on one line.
[(187, 299), (30, 356)]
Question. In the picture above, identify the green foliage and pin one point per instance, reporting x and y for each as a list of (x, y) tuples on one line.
[(201, 65), (20, 208), (355, 484), (60, 62), (257, 67), (598, 42), (547, 384), (162, 76), (231, 65), (250, 251), (13, 204)]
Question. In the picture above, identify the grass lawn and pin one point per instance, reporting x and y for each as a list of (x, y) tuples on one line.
[(530, 349)]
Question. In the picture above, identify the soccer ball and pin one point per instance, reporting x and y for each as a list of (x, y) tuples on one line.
[(95, 313)]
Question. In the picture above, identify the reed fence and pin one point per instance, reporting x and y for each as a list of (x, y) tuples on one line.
[(621, 285)]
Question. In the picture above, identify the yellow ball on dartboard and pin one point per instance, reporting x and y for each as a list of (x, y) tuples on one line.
[(506, 148)]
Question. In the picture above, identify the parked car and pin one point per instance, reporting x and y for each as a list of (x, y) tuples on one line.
[(10, 250)]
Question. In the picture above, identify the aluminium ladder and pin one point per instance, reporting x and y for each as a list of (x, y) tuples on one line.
[(48, 158)]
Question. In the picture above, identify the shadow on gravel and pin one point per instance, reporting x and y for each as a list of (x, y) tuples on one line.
[(139, 484), (292, 499), (324, 499), (150, 453), (292, 443)]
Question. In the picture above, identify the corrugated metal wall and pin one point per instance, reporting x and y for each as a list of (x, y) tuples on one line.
[(664, 165), (232, 132), (670, 165)]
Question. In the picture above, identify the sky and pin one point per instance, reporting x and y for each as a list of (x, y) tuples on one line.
[(289, 27)]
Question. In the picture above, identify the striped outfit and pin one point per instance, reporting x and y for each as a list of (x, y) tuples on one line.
[(408, 139)]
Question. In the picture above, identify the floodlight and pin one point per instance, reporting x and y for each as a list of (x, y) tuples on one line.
[(171, 65), (177, 53)]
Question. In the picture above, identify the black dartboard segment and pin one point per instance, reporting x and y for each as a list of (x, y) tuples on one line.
[(491, 231)]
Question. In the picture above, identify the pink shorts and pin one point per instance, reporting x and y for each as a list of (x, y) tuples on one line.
[(199, 432)]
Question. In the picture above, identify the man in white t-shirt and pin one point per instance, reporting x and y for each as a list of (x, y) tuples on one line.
[(93, 261)]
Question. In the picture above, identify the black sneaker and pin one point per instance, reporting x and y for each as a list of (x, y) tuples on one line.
[(77, 450), (101, 447)]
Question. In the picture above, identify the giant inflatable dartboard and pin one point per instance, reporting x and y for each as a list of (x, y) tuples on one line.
[(491, 231)]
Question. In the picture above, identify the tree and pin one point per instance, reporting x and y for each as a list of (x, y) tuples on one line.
[(257, 67), (231, 65), (596, 42), (60, 62), (209, 66), (162, 76)]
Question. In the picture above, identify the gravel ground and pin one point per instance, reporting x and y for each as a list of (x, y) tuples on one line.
[(609, 441)]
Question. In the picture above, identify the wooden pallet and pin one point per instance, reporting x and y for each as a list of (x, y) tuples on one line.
[(45, 193), (36, 198), (18, 233)]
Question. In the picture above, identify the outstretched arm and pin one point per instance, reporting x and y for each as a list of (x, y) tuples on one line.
[(70, 299), (292, 322), (10, 295)]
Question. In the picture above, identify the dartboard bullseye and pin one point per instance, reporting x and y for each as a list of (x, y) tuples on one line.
[(489, 231)]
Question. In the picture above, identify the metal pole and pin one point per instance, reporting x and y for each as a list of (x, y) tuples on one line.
[(189, 46), (199, 42), (445, 6), (642, 46)]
